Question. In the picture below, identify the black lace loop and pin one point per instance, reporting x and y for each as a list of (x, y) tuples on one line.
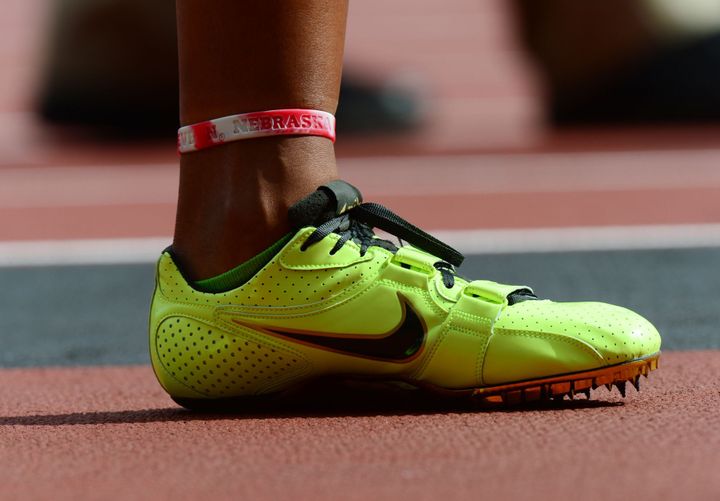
[(377, 216), (349, 229), (357, 225), (447, 271)]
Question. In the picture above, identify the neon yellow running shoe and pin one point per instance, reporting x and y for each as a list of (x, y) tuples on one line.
[(335, 300)]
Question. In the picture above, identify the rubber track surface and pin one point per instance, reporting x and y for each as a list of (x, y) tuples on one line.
[(89, 433)]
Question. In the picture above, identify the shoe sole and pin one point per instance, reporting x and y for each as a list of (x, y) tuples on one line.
[(569, 385), (556, 388)]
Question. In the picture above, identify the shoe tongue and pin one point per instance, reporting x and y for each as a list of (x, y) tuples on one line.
[(328, 201)]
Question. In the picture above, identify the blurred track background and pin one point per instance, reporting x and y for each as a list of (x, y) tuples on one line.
[(626, 214)]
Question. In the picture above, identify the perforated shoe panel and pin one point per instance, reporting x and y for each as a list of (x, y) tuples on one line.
[(616, 333), (219, 364), (278, 285)]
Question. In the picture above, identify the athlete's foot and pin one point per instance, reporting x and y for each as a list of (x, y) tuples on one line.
[(332, 299)]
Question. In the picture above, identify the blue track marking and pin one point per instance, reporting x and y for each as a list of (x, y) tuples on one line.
[(96, 315)]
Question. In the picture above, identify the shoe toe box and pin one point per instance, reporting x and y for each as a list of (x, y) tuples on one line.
[(544, 338)]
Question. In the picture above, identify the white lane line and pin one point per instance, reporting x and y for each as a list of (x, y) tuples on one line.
[(80, 252), (496, 241)]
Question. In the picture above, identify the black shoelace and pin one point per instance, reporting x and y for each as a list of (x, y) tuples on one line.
[(357, 225)]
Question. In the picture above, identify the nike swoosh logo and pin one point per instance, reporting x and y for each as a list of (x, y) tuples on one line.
[(399, 345)]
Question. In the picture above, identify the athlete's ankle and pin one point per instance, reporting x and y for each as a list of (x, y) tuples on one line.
[(234, 198)]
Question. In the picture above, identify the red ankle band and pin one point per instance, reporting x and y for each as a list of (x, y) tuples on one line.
[(257, 124)]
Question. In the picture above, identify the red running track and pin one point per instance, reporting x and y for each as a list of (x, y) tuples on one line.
[(94, 433), (475, 191)]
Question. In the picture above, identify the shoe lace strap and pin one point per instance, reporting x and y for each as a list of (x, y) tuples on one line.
[(357, 224)]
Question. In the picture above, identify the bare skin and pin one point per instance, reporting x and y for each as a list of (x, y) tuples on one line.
[(242, 56)]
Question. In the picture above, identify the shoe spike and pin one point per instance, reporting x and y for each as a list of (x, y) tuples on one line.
[(636, 383), (586, 392), (609, 387), (621, 387)]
